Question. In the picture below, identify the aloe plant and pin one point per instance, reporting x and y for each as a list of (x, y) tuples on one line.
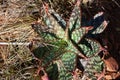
[(65, 41)]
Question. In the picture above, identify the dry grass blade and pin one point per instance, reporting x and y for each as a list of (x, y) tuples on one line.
[(15, 36)]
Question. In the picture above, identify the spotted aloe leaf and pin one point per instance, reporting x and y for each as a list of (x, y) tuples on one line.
[(52, 70), (64, 74), (75, 23), (52, 23), (69, 59), (44, 32), (101, 28), (56, 50), (99, 23), (58, 18), (66, 49), (91, 47), (77, 33), (50, 52)]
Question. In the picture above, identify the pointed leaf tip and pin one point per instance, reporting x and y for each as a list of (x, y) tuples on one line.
[(105, 23), (98, 14)]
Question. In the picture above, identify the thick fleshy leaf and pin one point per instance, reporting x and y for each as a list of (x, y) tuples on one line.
[(51, 52), (61, 21), (52, 22), (90, 50), (69, 60), (85, 42), (78, 34), (44, 32), (99, 23), (101, 28), (52, 71), (64, 74), (75, 19), (94, 65)]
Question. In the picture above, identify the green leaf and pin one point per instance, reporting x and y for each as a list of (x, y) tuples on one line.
[(59, 19), (90, 50), (75, 19), (69, 60), (52, 71), (64, 51), (94, 65), (85, 42), (44, 32), (78, 34), (64, 74), (55, 27), (51, 52)]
